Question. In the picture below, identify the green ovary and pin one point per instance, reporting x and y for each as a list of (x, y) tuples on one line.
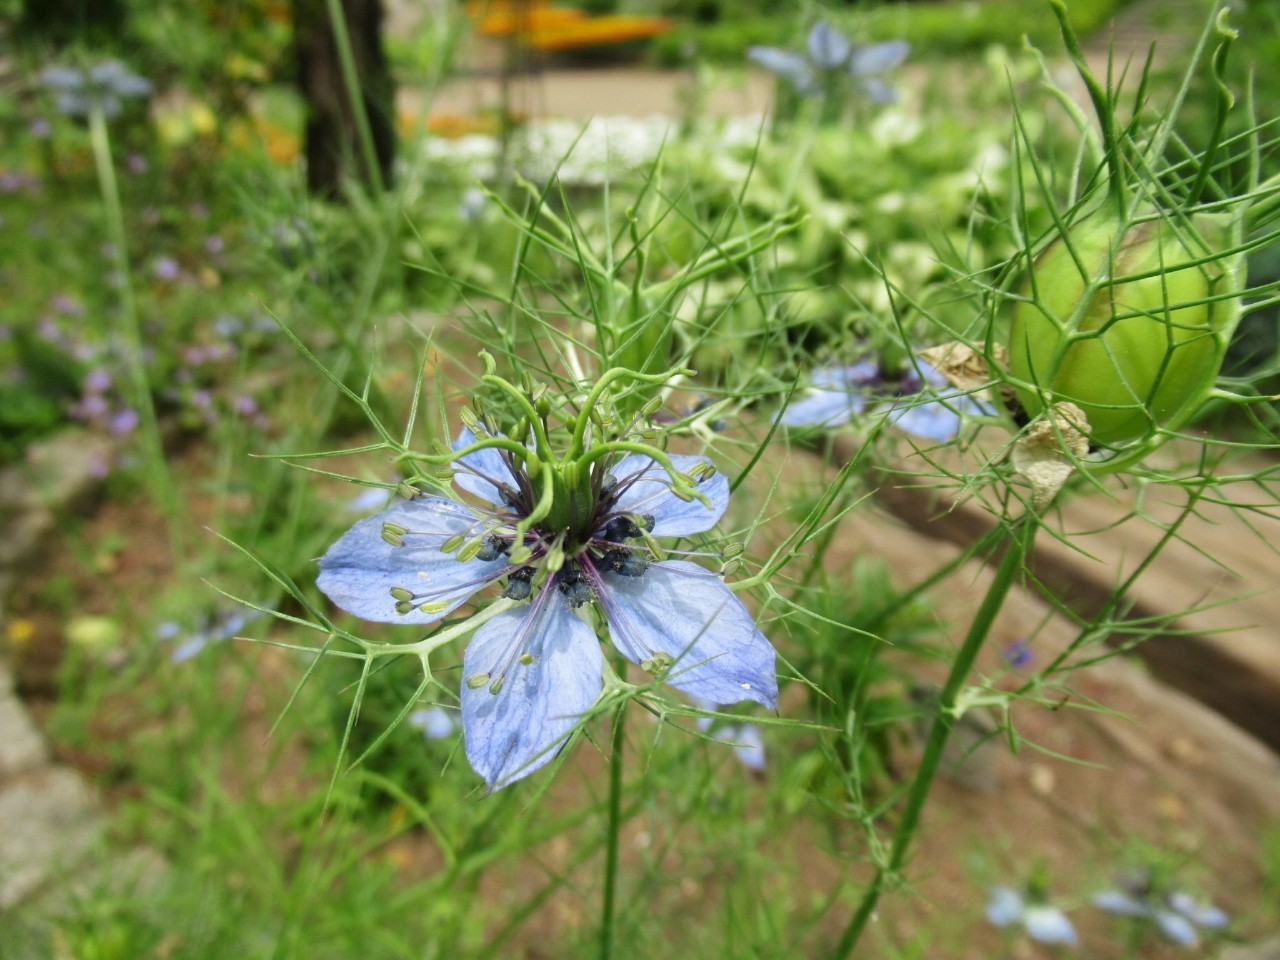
[(1132, 354)]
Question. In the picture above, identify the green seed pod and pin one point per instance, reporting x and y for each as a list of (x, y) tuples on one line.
[(1128, 324)]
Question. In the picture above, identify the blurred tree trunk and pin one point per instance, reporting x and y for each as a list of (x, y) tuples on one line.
[(334, 150), (60, 22)]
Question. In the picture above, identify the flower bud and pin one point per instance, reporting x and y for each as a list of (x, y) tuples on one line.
[(1126, 323)]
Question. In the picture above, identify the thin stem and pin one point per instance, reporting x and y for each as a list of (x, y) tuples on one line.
[(611, 837), (351, 81), (129, 341), (1020, 534)]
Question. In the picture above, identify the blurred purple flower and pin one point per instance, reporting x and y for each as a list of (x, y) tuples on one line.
[(123, 421), (40, 128), (97, 380), (136, 163), (1018, 654), (166, 268), (748, 745)]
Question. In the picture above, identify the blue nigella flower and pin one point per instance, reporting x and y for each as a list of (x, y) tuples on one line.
[(1040, 919), (104, 85), (829, 53), (215, 629), (919, 400), (532, 671), (1176, 914)]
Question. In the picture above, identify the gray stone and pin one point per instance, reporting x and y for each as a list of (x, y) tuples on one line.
[(49, 821), (21, 746)]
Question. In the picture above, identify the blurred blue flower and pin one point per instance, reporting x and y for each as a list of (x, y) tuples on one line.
[(1017, 654), (1040, 919), (828, 53), (103, 86), (214, 629), (748, 745), (919, 401), (436, 723), (1177, 914), (531, 672)]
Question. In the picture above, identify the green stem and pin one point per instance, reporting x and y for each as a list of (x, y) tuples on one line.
[(611, 838), (1020, 534), (130, 341), (351, 81)]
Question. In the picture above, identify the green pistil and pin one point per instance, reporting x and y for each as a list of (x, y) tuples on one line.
[(578, 447), (679, 482)]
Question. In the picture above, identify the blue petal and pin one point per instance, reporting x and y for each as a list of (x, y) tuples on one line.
[(1204, 914), (748, 746), (783, 63), (1121, 904), (824, 408), (645, 489), (358, 572), (680, 609), (877, 91), (480, 472), (1177, 928), (1005, 907), (436, 723), (829, 49), (1048, 924), (512, 733), (878, 57), (930, 420)]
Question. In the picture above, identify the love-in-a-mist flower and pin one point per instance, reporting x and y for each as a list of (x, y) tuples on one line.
[(1040, 919), (1176, 913), (918, 401), (104, 87), (564, 535), (829, 54)]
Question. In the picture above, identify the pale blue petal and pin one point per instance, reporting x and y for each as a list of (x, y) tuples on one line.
[(645, 489), (1204, 914), (1121, 904), (481, 472), (358, 572), (1048, 924), (930, 420), (512, 733), (1177, 928), (748, 747), (878, 57), (829, 49), (783, 63), (823, 408), (436, 723), (686, 612), (838, 394), (877, 91), (62, 78), (1004, 907)]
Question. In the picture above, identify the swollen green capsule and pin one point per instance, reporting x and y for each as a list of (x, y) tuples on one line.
[(1128, 324)]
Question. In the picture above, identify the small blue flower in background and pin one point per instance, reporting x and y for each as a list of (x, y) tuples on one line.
[(1017, 654), (828, 53), (1177, 914), (436, 723), (215, 630), (920, 402), (1040, 919), (104, 86), (531, 672)]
